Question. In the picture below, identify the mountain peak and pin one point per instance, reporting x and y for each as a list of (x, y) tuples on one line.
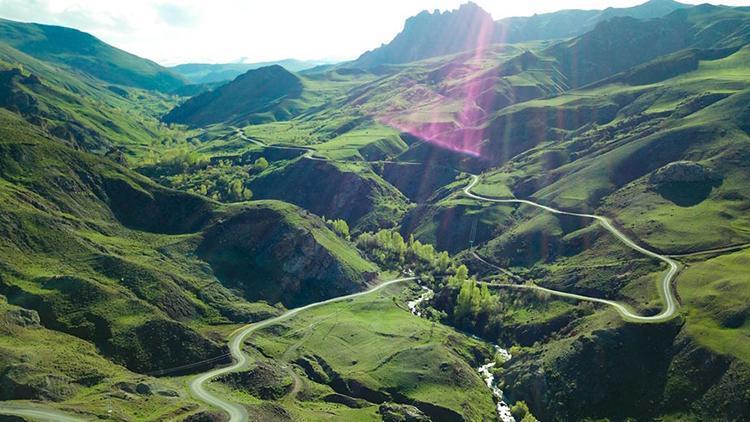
[(255, 92), (431, 34)]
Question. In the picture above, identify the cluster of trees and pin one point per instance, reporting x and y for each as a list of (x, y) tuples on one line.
[(182, 161), (389, 249), (473, 300), (340, 228), (222, 181)]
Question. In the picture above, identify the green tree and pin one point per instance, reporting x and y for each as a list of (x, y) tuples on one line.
[(521, 412), (239, 192), (443, 262), (260, 164), (340, 228), (468, 300)]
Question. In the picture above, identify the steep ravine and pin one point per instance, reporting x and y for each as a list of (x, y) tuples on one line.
[(503, 409), (653, 370)]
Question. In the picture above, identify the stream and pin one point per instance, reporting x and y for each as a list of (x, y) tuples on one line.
[(503, 409), (413, 305)]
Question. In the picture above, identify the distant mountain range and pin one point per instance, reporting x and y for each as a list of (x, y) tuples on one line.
[(439, 33), (205, 73), (571, 23)]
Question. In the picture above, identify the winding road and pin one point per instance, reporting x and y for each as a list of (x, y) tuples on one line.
[(665, 287), (237, 412)]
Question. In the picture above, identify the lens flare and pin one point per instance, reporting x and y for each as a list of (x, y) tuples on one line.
[(452, 115)]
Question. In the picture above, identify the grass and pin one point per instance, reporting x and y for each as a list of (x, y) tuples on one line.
[(364, 144), (86, 54), (377, 342), (716, 292), (108, 291), (590, 149), (74, 372)]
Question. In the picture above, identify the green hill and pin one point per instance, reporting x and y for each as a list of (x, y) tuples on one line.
[(265, 94), (107, 256), (86, 54), (572, 23), (91, 114)]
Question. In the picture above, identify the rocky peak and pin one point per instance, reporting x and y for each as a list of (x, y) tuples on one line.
[(431, 34)]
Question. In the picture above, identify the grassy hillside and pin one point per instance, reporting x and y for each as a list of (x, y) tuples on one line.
[(335, 190), (111, 258), (88, 113), (268, 91), (352, 356), (86, 54), (695, 116), (644, 121)]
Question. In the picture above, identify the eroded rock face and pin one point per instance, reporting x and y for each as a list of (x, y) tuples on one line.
[(23, 382), (683, 172), (261, 252), (23, 318), (264, 381), (392, 412)]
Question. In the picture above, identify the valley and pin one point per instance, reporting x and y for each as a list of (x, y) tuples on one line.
[(531, 219)]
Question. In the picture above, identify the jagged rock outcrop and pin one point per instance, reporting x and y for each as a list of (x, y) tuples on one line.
[(392, 412), (683, 172), (434, 34)]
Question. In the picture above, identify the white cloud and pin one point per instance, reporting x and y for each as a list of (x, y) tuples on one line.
[(177, 15)]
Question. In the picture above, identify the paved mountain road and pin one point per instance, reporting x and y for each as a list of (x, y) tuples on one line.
[(237, 412), (665, 286)]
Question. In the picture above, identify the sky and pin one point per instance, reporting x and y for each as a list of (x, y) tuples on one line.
[(223, 31)]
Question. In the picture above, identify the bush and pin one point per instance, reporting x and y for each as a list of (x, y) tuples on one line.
[(340, 228), (521, 412), (260, 164)]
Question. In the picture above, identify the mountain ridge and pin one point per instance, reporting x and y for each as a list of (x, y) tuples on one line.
[(85, 53), (411, 44)]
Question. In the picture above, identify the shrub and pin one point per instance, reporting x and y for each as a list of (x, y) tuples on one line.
[(340, 228), (260, 164)]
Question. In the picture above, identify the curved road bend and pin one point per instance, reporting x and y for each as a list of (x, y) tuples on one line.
[(238, 412), (665, 286)]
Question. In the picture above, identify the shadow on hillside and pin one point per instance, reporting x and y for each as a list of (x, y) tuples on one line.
[(687, 194)]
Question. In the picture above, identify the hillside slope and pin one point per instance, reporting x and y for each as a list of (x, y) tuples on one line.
[(84, 53), (266, 91), (109, 257), (572, 23)]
